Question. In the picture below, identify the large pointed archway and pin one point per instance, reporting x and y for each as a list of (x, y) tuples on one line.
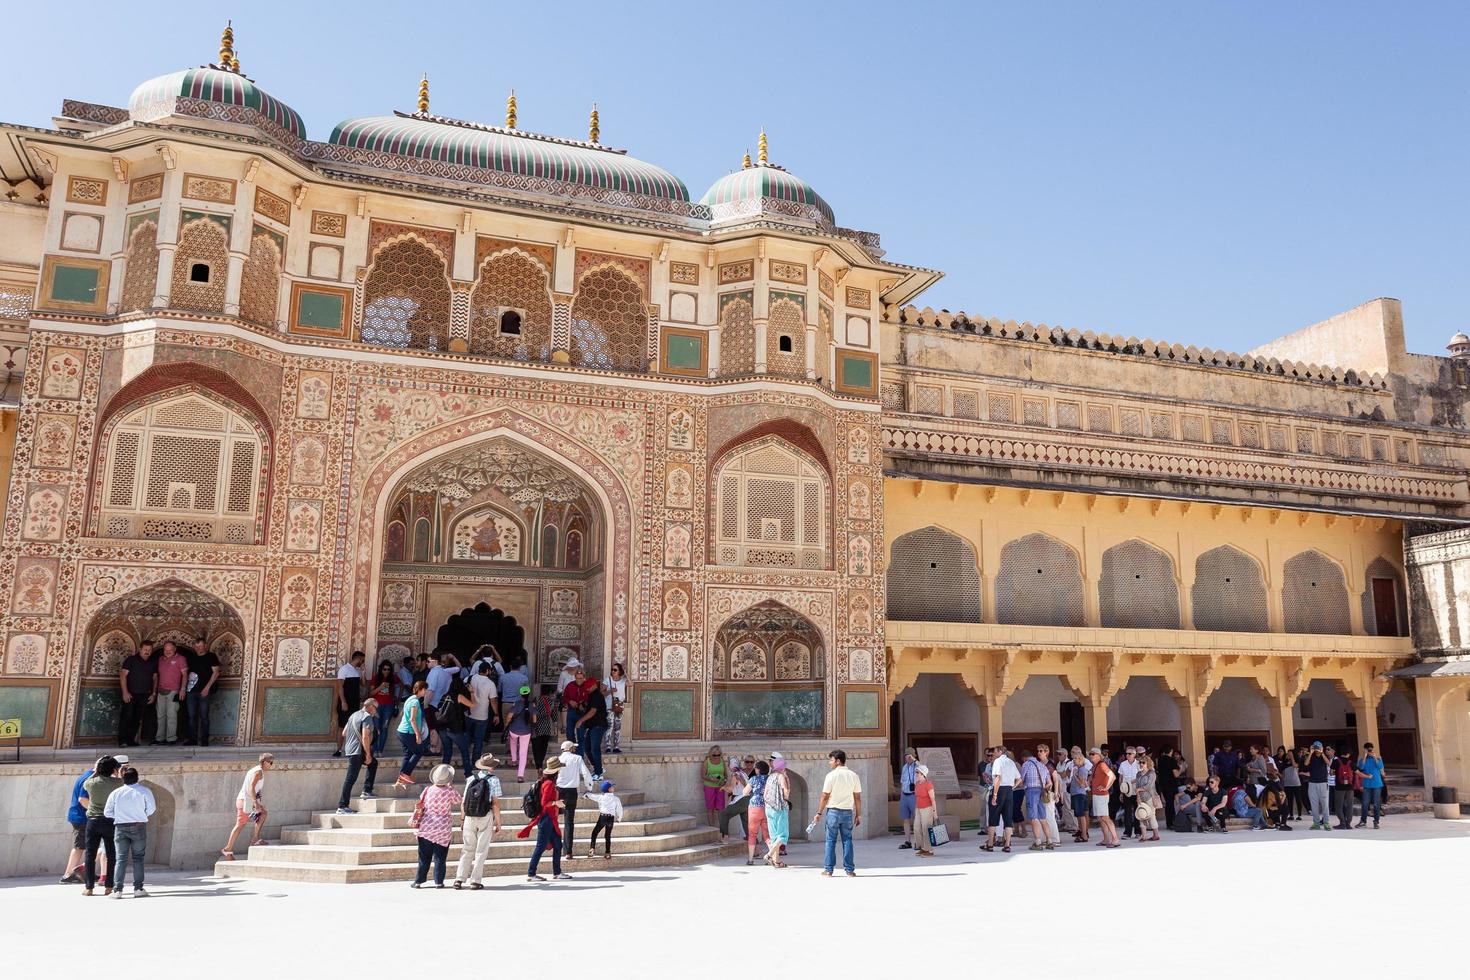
[(495, 541), (173, 610)]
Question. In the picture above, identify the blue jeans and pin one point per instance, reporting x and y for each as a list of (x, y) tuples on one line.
[(477, 735), (198, 705), (413, 751), (546, 836), (1372, 800), (131, 839), (572, 715), (382, 722), (839, 824), (450, 740), (590, 740)]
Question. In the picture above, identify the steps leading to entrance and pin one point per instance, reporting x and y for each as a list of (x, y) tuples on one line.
[(377, 844)]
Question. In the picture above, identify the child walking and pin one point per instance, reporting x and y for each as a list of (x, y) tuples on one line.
[(609, 812)]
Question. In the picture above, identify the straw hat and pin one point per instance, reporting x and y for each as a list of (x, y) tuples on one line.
[(442, 775)]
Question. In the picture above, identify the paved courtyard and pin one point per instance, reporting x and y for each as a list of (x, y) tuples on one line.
[(1383, 887)]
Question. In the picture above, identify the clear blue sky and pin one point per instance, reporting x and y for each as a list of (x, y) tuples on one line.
[(1210, 173)]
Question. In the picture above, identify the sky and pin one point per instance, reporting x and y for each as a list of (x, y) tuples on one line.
[(1214, 173)]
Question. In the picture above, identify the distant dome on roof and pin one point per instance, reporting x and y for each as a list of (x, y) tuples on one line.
[(158, 96), (528, 155), (766, 188)]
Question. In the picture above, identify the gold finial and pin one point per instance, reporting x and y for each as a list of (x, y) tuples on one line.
[(745, 161), (235, 63), (227, 46), (593, 130), (424, 93), (760, 150), (510, 110)]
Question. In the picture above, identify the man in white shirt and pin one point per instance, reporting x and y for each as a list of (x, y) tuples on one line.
[(570, 780), (842, 802), (1127, 790), (1004, 778), (129, 807)]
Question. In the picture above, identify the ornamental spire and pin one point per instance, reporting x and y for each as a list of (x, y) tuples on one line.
[(761, 149), (593, 129), (424, 93), (745, 161), (227, 46), (235, 62), (510, 110)]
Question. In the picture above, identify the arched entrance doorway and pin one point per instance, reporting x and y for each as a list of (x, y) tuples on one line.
[(769, 665), (469, 629), (495, 542), (167, 610)]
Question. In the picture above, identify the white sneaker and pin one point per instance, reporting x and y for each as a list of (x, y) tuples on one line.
[(139, 892), (118, 893)]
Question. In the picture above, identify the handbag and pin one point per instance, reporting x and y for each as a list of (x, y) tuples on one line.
[(938, 834), (418, 813)]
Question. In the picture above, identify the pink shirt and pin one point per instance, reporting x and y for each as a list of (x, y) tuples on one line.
[(171, 672)]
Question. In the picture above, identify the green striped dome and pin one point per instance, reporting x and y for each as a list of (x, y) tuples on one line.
[(764, 182), (523, 154), (213, 85)]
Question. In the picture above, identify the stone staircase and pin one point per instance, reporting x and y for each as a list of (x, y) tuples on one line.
[(377, 844)]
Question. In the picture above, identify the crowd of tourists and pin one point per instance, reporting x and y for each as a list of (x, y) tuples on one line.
[(439, 706), (1130, 795)]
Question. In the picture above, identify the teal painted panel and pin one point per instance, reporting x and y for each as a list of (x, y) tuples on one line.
[(99, 713), (685, 352), (860, 709), (30, 705), (74, 283), (297, 711), (857, 372), (665, 710), (224, 712), (321, 310), (768, 711)]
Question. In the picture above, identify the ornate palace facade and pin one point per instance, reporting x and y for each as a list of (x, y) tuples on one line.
[(430, 381)]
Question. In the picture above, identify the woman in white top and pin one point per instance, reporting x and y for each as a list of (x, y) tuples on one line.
[(250, 806), (617, 690)]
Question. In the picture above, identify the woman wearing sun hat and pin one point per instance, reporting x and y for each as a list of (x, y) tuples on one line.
[(433, 823)]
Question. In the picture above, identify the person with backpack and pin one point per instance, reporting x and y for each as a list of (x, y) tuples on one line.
[(541, 804), (520, 722), (481, 808), (453, 712)]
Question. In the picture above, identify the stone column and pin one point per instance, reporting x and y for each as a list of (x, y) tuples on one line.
[(1192, 736), (991, 732), (1278, 713), (561, 328), (1366, 709), (1094, 721), (811, 351), (760, 346), (233, 280)]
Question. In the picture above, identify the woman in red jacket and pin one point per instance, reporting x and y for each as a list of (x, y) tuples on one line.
[(548, 834)]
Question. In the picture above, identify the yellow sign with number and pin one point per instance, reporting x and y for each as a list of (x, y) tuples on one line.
[(9, 728)]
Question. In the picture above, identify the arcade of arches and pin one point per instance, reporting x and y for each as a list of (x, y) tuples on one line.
[(1022, 617)]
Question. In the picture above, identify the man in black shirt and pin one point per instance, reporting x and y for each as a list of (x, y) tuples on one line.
[(1215, 799), (138, 678), (204, 669), (1317, 767), (1168, 768), (592, 726)]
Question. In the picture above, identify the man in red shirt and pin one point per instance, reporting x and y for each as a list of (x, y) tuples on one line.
[(173, 670), (1102, 780)]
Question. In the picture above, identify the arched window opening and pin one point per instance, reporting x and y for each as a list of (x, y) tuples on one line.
[(771, 508)]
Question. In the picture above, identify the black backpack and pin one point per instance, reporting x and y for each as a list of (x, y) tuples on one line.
[(531, 802), (477, 798)]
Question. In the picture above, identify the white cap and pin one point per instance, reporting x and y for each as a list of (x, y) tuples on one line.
[(122, 760)]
